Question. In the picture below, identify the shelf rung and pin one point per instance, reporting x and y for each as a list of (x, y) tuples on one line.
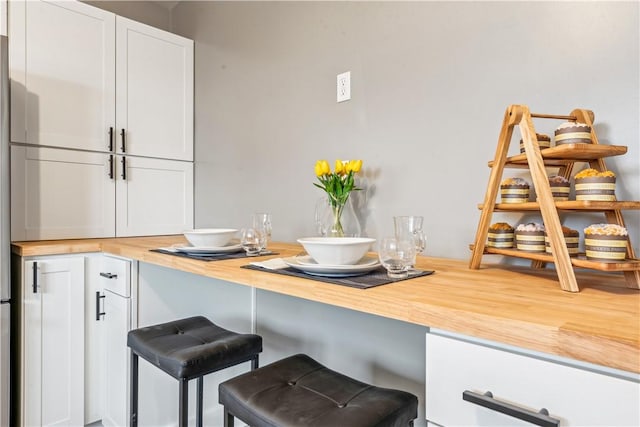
[(576, 261), (553, 116), (569, 153), (570, 205)]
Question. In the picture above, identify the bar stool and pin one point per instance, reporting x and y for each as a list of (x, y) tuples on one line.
[(298, 391), (187, 349)]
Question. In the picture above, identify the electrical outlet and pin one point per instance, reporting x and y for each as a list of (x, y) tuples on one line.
[(344, 87)]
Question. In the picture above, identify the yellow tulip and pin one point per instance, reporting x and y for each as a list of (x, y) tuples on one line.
[(326, 169), (357, 165), (339, 167), (318, 168)]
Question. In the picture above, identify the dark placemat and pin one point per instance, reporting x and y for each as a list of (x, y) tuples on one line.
[(374, 278), (213, 257)]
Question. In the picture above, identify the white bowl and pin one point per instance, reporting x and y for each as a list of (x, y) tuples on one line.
[(336, 250), (210, 237)]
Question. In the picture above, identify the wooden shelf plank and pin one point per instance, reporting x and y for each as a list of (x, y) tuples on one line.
[(567, 153), (577, 261), (570, 205)]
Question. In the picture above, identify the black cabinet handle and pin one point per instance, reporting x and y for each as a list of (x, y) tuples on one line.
[(124, 169), (109, 275), (110, 138), (35, 277), (486, 400), (110, 166), (98, 312), (123, 146)]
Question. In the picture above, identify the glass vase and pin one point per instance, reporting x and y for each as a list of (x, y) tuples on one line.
[(336, 220)]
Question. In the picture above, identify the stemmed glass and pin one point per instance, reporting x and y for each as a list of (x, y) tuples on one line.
[(321, 213), (252, 241), (262, 223), (410, 228), (396, 256)]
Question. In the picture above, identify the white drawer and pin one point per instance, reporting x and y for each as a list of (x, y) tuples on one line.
[(115, 275), (572, 393)]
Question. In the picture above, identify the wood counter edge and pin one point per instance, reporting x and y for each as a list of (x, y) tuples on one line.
[(603, 349)]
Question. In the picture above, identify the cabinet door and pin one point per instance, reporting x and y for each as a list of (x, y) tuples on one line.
[(60, 194), (153, 196), (115, 283), (62, 69), (93, 338), (53, 342), (154, 94), (117, 322)]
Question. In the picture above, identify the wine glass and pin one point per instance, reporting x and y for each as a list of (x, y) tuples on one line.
[(396, 256), (262, 223), (252, 241)]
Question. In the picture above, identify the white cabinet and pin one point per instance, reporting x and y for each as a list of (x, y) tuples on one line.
[(62, 69), (52, 342), (154, 94), (153, 196), (575, 394), (3, 17), (58, 194), (75, 313), (90, 91), (117, 319), (85, 78)]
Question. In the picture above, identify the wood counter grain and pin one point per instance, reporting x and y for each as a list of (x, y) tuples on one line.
[(520, 307)]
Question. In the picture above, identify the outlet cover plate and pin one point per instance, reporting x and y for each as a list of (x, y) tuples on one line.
[(343, 87)]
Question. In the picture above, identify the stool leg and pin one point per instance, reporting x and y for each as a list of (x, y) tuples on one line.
[(183, 412), (199, 403), (228, 418), (133, 410), (254, 363)]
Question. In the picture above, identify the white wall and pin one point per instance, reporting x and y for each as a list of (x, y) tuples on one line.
[(430, 84)]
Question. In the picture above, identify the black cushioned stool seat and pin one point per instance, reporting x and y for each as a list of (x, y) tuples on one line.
[(298, 391), (187, 349)]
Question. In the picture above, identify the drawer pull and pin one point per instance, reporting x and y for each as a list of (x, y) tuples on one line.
[(486, 400), (109, 275)]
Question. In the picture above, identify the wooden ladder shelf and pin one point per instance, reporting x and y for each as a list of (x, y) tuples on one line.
[(537, 160)]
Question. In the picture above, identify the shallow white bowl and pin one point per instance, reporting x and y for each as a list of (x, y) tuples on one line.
[(210, 237), (336, 250)]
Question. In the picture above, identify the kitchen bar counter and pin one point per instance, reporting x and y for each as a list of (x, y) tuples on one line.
[(515, 306)]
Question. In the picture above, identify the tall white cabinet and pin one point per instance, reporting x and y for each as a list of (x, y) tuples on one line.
[(102, 124)]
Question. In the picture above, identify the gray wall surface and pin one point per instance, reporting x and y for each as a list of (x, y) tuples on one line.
[(430, 84), (147, 12)]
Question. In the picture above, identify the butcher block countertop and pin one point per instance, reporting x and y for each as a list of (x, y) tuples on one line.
[(516, 306)]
